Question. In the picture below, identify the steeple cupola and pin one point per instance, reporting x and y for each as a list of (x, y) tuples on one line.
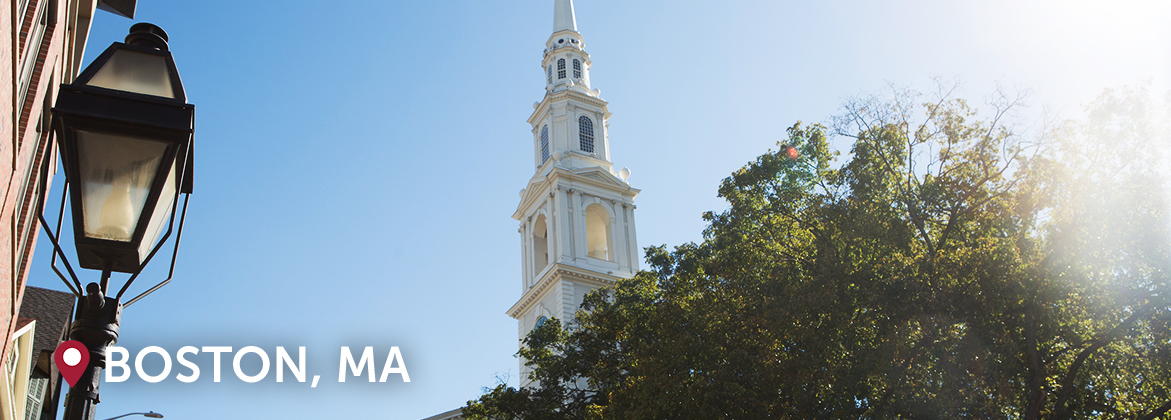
[(566, 63), (570, 123)]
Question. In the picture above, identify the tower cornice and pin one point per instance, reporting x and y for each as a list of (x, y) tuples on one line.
[(553, 275), (565, 39), (567, 94), (550, 53), (596, 179)]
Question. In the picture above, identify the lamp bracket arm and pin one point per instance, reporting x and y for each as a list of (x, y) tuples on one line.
[(54, 237), (174, 254)]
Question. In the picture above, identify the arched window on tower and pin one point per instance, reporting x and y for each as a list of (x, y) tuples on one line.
[(585, 130), (540, 245), (576, 69), (544, 144), (598, 232), (560, 69), (549, 74)]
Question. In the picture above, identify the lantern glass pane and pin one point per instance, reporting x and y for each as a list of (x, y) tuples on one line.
[(137, 72), (116, 176), (161, 214)]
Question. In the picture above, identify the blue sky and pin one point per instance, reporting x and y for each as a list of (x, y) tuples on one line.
[(358, 163)]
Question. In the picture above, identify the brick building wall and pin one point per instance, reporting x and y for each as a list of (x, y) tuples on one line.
[(43, 42)]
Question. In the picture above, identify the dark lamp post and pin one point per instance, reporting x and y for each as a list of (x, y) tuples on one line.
[(125, 133)]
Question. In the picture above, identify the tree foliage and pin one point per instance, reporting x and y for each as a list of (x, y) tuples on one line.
[(947, 268)]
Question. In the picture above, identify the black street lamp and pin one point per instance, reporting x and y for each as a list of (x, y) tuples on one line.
[(125, 134)]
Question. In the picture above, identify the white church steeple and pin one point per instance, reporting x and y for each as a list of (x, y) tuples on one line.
[(576, 213)]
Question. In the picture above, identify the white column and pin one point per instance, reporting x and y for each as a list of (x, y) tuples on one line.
[(564, 240), (560, 128), (525, 275), (571, 138), (579, 226), (551, 227), (605, 143), (617, 233), (630, 229)]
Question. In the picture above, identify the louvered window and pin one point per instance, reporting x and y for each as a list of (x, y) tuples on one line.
[(576, 69), (585, 129), (544, 144), (560, 69), (36, 395)]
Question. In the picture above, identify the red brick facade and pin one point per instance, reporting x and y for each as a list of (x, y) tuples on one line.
[(43, 41)]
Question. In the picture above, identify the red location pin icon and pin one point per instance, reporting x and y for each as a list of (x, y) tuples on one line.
[(72, 360)]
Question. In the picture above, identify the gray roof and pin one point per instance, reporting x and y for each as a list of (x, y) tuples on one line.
[(53, 310)]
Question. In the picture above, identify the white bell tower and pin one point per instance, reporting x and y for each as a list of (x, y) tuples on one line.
[(577, 213)]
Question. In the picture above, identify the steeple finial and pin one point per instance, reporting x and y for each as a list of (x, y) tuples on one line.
[(563, 16)]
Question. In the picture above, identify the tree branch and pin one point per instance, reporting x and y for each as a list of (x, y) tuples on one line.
[(1034, 386), (1159, 412), (1061, 408)]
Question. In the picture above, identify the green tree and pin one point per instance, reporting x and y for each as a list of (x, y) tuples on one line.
[(947, 269)]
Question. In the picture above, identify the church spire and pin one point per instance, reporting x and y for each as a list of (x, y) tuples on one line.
[(563, 19), (576, 213)]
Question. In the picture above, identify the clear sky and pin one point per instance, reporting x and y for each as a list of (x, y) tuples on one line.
[(358, 162)]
